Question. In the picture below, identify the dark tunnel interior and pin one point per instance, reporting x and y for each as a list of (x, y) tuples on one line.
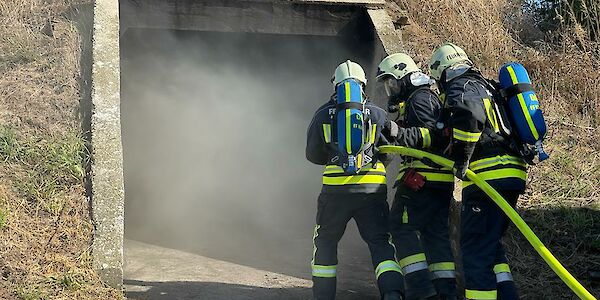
[(214, 132)]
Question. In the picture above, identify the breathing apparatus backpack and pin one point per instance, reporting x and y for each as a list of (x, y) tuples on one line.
[(523, 109), (353, 126), (518, 110)]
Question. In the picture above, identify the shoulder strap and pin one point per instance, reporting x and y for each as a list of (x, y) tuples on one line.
[(516, 89)]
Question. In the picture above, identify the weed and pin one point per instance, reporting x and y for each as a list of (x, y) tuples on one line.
[(30, 293), (68, 280), (3, 218), (10, 148)]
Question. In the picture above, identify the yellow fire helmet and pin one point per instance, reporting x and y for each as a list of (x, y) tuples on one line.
[(446, 56), (347, 70)]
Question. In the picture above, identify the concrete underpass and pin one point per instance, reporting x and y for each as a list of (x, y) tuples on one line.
[(219, 200)]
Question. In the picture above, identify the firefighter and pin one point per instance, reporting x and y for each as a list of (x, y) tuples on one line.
[(424, 192), (361, 196), (480, 144)]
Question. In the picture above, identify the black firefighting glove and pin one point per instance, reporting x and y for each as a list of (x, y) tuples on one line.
[(460, 169), (440, 139), (393, 107), (461, 154)]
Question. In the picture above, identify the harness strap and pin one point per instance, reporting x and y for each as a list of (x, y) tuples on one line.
[(349, 105), (518, 88)]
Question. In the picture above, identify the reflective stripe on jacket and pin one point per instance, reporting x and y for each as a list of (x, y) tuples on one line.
[(368, 180), (423, 109), (321, 148), (476, 134)]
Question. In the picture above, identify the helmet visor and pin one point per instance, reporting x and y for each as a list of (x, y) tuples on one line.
[(391, 87)]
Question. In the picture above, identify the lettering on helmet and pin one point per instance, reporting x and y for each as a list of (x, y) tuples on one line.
[(455, 55), (435, 65)]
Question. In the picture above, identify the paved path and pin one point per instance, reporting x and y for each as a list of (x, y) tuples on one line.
[(154, 272)]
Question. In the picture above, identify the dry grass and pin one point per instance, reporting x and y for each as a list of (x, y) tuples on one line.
[(45, 230), (491, 31), (562, 202), (45, 227), (39, 66)]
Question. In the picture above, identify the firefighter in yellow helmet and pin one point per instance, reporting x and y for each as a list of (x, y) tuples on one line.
[(360, 196), (479, 144), (424, 192)]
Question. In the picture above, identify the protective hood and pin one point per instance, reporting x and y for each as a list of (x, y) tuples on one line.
[(456, 70), (405, 86)]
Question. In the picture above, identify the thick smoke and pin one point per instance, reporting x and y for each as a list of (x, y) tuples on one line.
[(214, 131)]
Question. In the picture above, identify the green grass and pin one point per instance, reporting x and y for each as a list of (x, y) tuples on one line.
[(9, 145), (43, 167)]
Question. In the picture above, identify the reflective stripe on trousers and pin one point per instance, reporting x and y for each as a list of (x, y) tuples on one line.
[(442, 270), (481, 295), (413, 263), (503, 273), (386, 266), (324, 271)]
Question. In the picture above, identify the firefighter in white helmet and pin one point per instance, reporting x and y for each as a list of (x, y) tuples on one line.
[(360, 196), (479, 144), (424, 191)]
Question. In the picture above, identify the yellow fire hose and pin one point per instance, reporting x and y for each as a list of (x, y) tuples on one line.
[(556, 266)]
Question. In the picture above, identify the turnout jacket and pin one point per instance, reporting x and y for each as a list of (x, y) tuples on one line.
[(476, 135), (321, 148), (423, 109)]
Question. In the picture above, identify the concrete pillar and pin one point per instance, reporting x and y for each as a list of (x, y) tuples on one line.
[(387, 41), (390, 38), (107, 154)]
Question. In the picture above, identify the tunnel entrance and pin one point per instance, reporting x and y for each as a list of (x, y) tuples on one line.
[(219, 198)]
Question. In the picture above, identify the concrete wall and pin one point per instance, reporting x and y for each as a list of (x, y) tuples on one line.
[(305, 17), (107, 167), (278, 17)]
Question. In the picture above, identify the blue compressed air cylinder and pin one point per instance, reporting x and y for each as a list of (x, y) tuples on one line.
[(523, 105), (349, 110)]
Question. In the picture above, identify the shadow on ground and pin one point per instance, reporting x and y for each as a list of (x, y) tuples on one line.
[(209, 290), (182, 290)]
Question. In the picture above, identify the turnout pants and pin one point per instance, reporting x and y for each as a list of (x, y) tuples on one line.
[(427, 258), (487, 274), (370, 211)]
